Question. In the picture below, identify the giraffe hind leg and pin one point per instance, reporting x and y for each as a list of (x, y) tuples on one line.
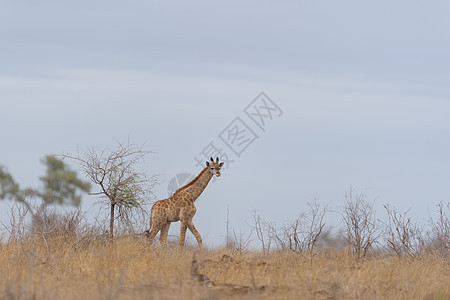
[(164, 233), (156, 227), (151, 235), (183, 228)]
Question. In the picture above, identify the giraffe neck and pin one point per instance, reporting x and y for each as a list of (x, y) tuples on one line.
[(198, 185)]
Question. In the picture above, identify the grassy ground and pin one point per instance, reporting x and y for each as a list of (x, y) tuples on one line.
[(62, 267)]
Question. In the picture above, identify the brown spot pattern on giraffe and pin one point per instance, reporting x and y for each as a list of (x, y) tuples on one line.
[(180, 207)]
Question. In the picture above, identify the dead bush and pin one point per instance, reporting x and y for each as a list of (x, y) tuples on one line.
[(361, 229), (402, 235), (440, 230)]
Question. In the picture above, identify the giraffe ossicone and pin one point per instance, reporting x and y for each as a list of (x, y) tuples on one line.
[(180, 206)]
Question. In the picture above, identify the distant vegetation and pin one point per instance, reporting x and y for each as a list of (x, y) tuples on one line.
[(60, 185)]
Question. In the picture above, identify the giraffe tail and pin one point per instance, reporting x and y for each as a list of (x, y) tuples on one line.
[(147, 232)]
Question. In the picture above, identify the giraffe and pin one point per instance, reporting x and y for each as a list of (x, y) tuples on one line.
[(180, 207)]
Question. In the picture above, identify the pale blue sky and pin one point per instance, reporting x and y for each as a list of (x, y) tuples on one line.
[(364, 88)]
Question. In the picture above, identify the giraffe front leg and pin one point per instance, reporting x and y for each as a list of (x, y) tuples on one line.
[(196, 234), (183, 228)]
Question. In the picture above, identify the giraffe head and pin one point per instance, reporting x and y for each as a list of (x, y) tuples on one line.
[(214, 166)]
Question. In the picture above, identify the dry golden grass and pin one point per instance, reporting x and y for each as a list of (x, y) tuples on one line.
[(62, 267)]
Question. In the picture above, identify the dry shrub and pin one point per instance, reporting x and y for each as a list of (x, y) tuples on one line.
[(361, 228), (440, 230), (301, 235), (403, 235)]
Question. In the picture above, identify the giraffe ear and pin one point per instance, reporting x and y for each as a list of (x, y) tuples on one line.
[(207, 163), (221, 165)]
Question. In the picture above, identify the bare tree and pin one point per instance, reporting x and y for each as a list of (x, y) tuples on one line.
[(403, 236), (302, 234), (361, 229), (440, 229), (306, 230), (115, 175), (241, 241), (259, 227)]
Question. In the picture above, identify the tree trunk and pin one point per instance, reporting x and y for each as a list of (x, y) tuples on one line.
[(111, 221)]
